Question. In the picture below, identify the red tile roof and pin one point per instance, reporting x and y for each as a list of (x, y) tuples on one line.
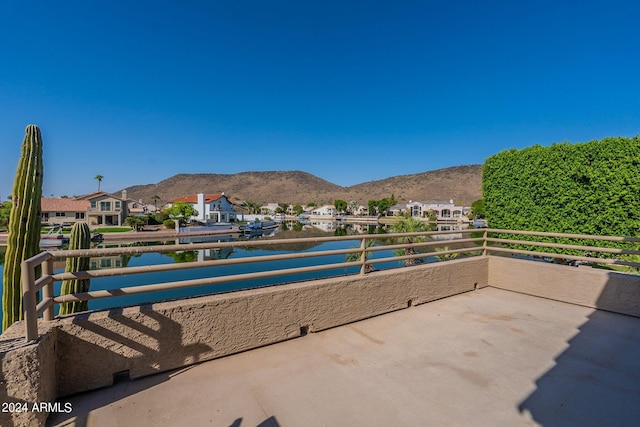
[(59, 204)]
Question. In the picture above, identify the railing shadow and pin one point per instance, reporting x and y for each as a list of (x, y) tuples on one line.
[(143, 342), (596, 380)]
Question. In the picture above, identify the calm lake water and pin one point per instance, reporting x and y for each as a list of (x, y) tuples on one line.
[(286, 231)]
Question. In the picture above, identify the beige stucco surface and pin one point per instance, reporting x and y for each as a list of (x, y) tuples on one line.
[(484, 358), (591, 287)]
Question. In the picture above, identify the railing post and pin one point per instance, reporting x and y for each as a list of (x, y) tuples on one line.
[(363, 256), (484, 242), (29, 300), (47, 290)]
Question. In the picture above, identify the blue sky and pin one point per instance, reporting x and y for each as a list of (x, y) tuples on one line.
[(350, 91)]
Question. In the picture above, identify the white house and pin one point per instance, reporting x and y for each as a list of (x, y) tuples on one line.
[(210, 207), (326, 211), (443, 210)]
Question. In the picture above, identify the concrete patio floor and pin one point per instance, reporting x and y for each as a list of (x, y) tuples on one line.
[(484, 358)]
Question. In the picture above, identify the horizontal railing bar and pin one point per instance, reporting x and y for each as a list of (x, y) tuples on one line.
[(43, 281), (194, 264), (421, 244), (568, 236), (421, 255), (132, 290), (240, 244), (43, 305), (590, 260), (563, 246)]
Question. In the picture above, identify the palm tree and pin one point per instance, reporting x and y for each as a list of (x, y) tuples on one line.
[(446, 257), (353, 205), (409, 225), (356, 256), (251, 206), (99, 178), (155, 199)]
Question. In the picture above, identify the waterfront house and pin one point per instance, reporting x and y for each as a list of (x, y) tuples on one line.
[(211, 208), (269, 209), (105, 209), (360, 210), (442, 210), (324, 212), (63, 210), (136, 207)]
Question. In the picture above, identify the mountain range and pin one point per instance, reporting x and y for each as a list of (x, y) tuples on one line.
[(463, 184)]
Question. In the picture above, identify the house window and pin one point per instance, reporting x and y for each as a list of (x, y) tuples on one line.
[(79, 215), (117, 204), (93, 204), (59, 214), (105, 206), (45, 216)]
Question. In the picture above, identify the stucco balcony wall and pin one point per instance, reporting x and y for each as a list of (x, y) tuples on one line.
[(584, 285)]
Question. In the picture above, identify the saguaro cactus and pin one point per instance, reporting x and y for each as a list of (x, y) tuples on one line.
[(80, 239), (23, 241)]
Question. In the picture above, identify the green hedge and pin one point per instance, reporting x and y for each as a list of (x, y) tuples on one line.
[(589, 188)]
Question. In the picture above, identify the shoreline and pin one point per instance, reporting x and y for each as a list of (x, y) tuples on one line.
[(147, 235)]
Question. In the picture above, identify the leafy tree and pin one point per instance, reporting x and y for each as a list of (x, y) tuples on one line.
[(181, 211), (135, 222), (353, 205), (384, 204), (589, 188), (297, 209), (341, 205), (477, 208), (372, 205)]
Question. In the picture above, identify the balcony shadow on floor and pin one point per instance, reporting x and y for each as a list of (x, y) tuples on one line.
[(596, 380), (269, 422), (148, 343)]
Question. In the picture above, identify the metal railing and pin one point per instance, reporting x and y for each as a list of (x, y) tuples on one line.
[(419, 245)]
